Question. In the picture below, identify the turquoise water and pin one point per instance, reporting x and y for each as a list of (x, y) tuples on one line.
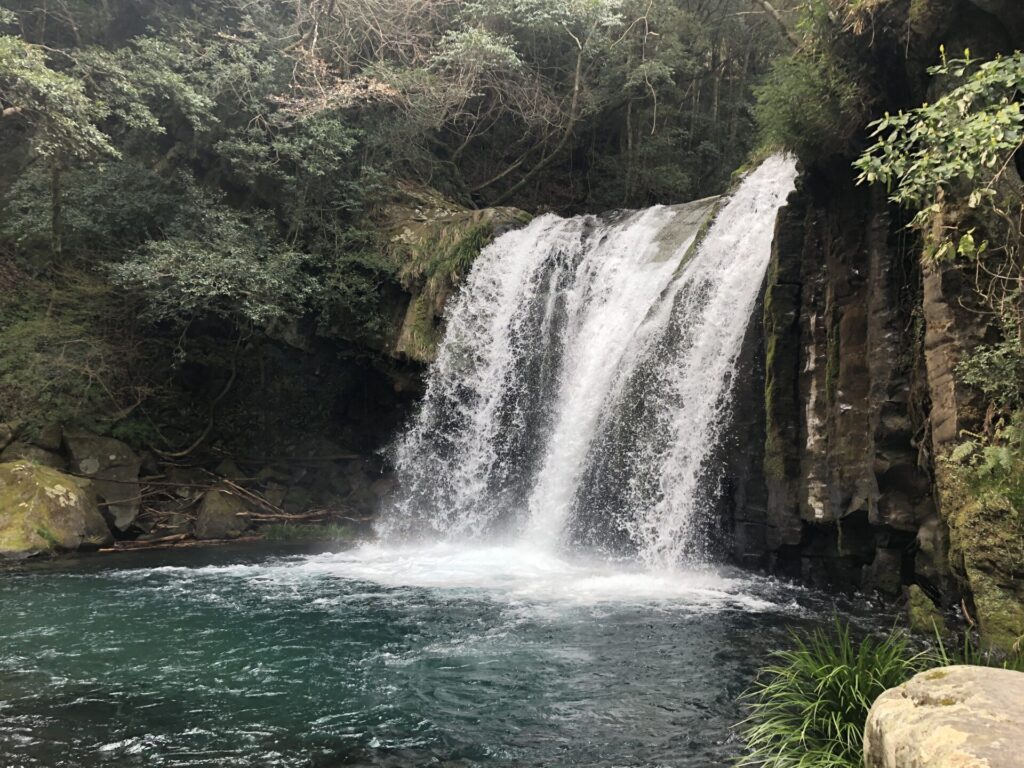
[(380, 657)]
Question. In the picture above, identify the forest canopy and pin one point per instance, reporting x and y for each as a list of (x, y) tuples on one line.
[(215, 169)]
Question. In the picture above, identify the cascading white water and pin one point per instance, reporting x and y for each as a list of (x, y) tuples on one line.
[(584, 380)]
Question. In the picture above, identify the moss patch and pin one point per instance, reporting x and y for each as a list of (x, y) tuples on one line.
[(987, 554), (435, 249)]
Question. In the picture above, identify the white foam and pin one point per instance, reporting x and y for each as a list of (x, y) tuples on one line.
[(513, 573)]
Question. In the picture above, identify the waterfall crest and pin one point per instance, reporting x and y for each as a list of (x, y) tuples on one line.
[(585, 376)]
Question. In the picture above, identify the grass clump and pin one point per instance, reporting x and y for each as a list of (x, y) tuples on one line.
[(808, 707), (308, 533)]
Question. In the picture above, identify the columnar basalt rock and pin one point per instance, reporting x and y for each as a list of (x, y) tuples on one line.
[(846, 492), (863, 338)]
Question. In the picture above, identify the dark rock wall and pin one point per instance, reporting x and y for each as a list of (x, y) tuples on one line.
[(846, 493), (861, 341)]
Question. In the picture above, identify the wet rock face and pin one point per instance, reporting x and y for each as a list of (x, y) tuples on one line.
[(114, 470), (953, 717), (43, 510), (846, 494)]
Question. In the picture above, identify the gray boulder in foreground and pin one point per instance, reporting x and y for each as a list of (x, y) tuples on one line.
[(950, 717)]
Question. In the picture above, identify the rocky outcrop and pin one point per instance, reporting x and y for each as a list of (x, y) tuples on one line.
[(863, 337), (43, 510), (435, 244), (114, 470), (953, 717), (986, 554), (431, 243)]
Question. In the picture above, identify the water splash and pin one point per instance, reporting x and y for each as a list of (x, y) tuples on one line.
[(585, 377)]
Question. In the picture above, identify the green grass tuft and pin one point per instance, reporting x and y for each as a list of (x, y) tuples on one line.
[(307, 532), (807, 709)]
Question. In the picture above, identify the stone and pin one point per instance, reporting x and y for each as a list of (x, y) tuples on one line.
[(190, 481), (923, 615), (19, 451), (275, 493), (297, 500), (951, 717), (931, 561), (229, 469), (884, 572), (50, 438), (114, 470), (44, 510), (221, 516)]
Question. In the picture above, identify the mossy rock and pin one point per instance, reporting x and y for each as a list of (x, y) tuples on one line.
[(432, 247), (43, 510), (987, 553), (20, 451), (923, 615)]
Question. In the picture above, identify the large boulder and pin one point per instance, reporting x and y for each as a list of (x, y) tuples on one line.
[(114, 470), (221, 516), (43, 510), (952, 717)]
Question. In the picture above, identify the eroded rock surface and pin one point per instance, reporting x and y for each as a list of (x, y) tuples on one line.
[(953, 717)]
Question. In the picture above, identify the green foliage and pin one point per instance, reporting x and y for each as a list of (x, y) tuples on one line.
[(966, 649), (106, 207), (809, 706), (809, 104), (218, 263), (951, 162), (959, 144), (994, 466), (997, 371), (59, 364), (55, 103)]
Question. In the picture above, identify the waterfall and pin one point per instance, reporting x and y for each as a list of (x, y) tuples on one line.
[(585, 376)]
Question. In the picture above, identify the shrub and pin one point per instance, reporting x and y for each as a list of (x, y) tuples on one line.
[(993, 467)]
